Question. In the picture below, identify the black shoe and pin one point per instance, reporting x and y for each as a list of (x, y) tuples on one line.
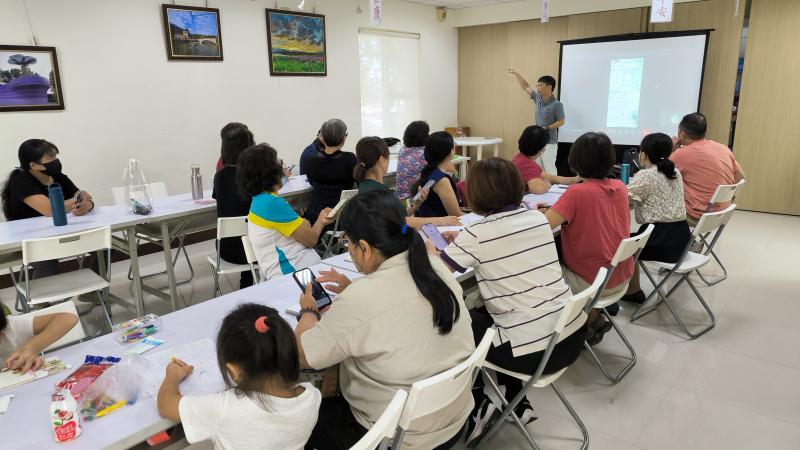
[(637, 297), (613, 308), (524, 411), (481, 422)]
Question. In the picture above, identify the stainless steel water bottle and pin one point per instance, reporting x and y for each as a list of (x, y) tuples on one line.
[(57, 209), (197, 183)]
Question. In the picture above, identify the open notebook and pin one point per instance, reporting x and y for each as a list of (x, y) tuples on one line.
[(13, 378)]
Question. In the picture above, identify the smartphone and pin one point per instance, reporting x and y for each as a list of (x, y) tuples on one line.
[(435, 236), (428, 185), (79, 197), (346, 195), (305, 276), (291, 167)]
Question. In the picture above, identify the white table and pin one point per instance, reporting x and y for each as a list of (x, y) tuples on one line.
[(478, 143), (26, 424)]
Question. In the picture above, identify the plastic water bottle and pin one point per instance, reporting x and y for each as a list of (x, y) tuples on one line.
[(625, 173), (197, 183), (56, 196)]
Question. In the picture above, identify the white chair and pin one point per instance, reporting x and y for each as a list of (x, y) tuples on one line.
[(688, 263), (331, 244), (76, 334), (570, 320), (227, 227), (56, 288), (252, 261), (143, 233), (724, 193), (11, 261), (381, 433), (440, 391), (629, 248)]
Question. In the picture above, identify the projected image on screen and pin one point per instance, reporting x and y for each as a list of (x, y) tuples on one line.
[(624, 90), (630, 86)]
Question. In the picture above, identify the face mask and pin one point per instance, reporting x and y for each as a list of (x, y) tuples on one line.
[(52, 168)]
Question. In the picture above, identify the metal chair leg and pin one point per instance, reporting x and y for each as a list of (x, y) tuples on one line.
[(632, 360), (712, 320), (508, 410), (574, 415)]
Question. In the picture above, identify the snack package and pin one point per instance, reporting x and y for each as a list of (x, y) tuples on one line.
[(83, 377), (137, 329), (116, 387), (64, 416)]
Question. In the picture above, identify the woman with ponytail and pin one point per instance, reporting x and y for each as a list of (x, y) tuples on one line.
[(372, 153), (657, 195), (403, 321), (443, 197), (264, 406)]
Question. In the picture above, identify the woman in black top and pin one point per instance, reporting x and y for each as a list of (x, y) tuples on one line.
[(235, 138), (25, 193), (330, 171)]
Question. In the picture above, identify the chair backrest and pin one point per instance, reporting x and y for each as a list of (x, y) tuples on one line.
[(157, 190), (628, 248), (439, 391), (573, 307), (59, 247), (385, 426), (231, 227), (725, 192), (250, 256), (75, 334), (711, 221)]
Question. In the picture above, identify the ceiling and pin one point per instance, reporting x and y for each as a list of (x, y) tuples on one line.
[(458, 4)]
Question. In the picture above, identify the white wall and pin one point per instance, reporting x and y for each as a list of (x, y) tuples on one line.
[(532, 9), (124, 99)]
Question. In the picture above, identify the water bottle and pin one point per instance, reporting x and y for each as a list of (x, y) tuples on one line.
[(625, 173), (56, 196), (197, 183)]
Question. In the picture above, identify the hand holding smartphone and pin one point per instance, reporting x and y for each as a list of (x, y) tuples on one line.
[(434, 236), (303, 278)]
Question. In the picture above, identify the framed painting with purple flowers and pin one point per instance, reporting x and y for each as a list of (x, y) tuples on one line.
[(29, 79)]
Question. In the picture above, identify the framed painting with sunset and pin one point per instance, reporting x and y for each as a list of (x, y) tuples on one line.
[(296, 43)]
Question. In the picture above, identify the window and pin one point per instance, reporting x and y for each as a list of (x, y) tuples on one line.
[(390, 97)]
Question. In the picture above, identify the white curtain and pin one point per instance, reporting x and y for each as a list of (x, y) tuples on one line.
[(390, 95)]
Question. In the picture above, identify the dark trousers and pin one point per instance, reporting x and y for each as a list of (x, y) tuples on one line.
[(564, 354), (337, 428)]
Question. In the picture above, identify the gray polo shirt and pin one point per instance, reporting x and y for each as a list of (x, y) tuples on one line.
[(548, 113)]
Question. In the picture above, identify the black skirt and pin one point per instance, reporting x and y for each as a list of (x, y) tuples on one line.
[(666, 243)]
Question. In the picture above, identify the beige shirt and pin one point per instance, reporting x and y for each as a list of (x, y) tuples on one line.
[(657, 198), (381, 331)]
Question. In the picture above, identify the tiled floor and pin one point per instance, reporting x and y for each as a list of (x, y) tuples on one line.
[(737, 387)]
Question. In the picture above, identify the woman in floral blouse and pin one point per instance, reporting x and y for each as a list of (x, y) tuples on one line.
[(657, 196), (412, 158)]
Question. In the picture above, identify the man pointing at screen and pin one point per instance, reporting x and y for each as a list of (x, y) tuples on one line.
[(549, 113)]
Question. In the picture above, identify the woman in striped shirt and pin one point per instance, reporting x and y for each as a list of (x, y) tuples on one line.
[(520, 281)]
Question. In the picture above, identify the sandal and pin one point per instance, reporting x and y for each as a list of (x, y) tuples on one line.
[(595, 335)]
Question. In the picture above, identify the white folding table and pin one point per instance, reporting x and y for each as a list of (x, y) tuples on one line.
[(478, 143)]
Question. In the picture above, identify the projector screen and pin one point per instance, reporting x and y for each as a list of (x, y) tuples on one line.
[(630, 86)]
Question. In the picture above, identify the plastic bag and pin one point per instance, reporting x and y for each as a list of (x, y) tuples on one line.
[(138, 198), (118, 386), (83, 377)]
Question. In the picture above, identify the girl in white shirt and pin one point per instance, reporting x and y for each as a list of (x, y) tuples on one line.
[(23, 338), (264, 407)]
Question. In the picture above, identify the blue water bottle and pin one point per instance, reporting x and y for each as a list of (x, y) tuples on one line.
[(625, 173), (57, 204)]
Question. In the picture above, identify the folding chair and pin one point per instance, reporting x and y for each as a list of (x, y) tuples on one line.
[(439, 391), (628, 248), (688, 263), (570, 320), (331, 243), (56, 288), (252, 261), (10, 261), (380, 435), (76, 334), (724, 193), (227, 227), (157, 190)]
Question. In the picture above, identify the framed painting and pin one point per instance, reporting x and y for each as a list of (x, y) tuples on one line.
[(296, 43), (29, 79), (192, 33)]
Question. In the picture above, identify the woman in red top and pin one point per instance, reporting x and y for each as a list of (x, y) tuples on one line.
[(594, 219)]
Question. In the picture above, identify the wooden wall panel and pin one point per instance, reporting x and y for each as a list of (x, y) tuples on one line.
[(491, 102), (767, 134), (719, 81)]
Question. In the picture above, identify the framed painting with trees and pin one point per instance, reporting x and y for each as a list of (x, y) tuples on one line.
[(29, 79), (192, 33)]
